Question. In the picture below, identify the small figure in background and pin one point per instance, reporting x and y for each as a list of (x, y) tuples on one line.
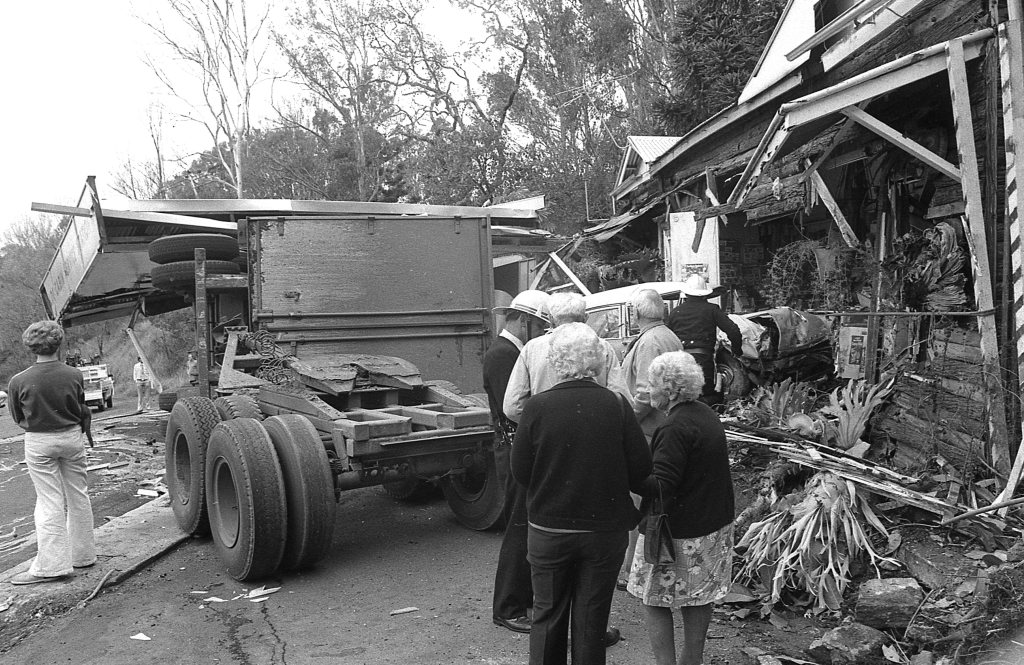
[(142, 378), (192, 368)]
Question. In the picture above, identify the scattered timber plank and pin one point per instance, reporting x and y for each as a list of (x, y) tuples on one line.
[(294, 400)]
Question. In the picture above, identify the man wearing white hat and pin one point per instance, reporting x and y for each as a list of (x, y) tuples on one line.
[(526, 317), (694, 321)]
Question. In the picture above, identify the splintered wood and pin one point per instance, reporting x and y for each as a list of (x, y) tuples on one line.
[(869, 475)]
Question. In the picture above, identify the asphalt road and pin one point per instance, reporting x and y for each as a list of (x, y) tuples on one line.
[(387, 556), (135, 445)]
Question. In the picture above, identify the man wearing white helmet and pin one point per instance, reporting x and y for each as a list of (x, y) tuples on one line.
[(533, 373), (694, 321), (525, 318)]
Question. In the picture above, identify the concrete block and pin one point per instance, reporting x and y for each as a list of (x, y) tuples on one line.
[(849, 644), (888, 603)]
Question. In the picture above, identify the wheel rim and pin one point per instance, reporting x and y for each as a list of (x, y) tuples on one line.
[(182, 468), (470, 485), (224, 508)]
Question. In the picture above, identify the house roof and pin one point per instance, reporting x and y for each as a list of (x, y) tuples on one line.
[(796, 24), (822, 107), (650, 148)]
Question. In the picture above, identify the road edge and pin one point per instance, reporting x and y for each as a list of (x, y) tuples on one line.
[(124, 545)]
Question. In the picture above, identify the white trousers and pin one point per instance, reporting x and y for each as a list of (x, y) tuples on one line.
[(63, 515)]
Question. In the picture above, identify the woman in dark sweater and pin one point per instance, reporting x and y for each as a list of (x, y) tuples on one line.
[(691, 473), (579, 451), (47, 400)]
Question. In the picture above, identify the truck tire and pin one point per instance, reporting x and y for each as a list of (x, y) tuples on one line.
[(238, 406), (182, 247), (476, 497), (188, 430), (246, 499), (735, 380), (168, 398), (308, 487), (181, 275)]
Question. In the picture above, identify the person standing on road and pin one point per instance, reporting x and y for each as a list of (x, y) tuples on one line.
[(691, 474), (47, 400), (694, 321), (141, 376), (533, 373), (579, 452), (525, 318), (655, 338)]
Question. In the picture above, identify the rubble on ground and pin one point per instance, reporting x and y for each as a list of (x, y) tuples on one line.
[(908, 564)]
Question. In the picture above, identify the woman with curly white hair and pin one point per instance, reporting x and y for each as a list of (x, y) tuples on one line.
[(578, 451), (47, 400), (691, 474)]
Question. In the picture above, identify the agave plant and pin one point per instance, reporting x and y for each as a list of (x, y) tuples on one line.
[(810, 542), (852, 406)]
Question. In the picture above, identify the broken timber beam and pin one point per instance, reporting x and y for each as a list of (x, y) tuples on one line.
[(832, 205), (902, 142), (978, 243)]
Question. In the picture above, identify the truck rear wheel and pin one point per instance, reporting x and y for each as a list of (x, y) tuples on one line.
[(476, 497), (188, 430), (182, 247), (309, 489), (246, 499), (238, 406)]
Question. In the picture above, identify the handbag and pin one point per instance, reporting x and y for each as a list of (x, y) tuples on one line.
[(659, 548)]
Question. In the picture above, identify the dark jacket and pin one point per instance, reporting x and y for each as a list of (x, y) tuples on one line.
[(498, 363), (48, 397), (579, 451), (691, 463), (694, 321)]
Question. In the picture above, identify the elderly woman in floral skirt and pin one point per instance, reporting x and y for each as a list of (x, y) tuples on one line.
[(691, 473)]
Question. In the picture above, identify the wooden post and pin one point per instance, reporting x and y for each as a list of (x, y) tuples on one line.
[(202, 329), (1011, 72), (977, 240)]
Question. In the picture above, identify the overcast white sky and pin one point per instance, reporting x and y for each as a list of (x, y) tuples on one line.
[(76, 94)]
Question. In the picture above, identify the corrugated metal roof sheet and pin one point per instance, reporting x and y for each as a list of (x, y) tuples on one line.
[(652, 147)]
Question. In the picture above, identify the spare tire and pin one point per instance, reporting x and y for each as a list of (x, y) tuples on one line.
[(182, 247), (181, 275)]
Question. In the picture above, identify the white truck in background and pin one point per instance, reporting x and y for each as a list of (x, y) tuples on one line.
[(99, 386)]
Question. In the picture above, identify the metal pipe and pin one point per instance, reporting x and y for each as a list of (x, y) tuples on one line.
[(302, 315), (296, 337)]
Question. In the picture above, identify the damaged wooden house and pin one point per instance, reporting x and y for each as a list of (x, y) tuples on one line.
[(867, 173)]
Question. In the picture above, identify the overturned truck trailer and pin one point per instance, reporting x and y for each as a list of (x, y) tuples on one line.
[(339, 345)]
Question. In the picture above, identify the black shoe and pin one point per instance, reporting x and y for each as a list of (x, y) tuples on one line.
[(612, 637), (520, 624)]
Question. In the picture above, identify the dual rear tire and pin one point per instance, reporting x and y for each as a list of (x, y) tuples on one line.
[(262, 490)]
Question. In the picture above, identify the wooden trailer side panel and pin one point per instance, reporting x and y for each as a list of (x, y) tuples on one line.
[(418, 288)]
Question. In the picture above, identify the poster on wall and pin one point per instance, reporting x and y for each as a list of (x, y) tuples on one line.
[(681, 259)]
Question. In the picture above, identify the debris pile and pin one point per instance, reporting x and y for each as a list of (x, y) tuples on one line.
[(903, 565)]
